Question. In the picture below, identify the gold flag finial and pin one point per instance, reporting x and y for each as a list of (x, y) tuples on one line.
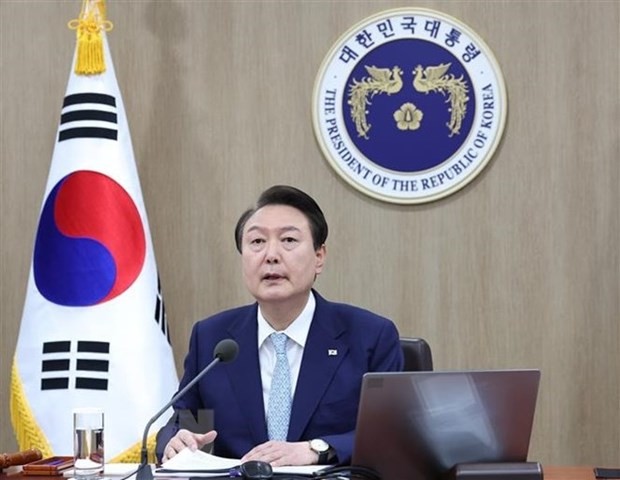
[(89, 26)]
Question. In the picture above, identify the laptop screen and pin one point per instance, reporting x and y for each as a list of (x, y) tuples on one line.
[(418, 425)]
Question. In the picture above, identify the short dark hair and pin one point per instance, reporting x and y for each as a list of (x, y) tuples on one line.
[(292, 197)]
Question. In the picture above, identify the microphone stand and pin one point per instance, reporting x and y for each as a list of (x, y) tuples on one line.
[(144, 471)]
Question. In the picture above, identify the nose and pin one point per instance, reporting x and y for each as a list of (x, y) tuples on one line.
[(272, 254)]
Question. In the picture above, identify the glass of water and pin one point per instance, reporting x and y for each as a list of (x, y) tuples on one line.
[(88, 457)]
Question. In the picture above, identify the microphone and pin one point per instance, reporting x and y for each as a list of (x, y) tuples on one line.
[(225, 351)]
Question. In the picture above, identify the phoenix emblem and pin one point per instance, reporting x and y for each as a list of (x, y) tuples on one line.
[(382, 80), (432, 79), (435, 79)]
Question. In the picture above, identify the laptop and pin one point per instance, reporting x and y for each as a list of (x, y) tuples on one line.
[(419, 425)]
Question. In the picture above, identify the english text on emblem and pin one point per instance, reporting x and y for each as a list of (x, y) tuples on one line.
[(409, 105)]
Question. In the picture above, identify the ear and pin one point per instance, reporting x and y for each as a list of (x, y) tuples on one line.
[(320, 255)]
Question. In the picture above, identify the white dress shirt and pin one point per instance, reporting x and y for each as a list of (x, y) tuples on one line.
[(297, 333)]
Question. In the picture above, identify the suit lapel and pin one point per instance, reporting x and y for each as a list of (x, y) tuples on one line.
[(323, 354), (245, 377)]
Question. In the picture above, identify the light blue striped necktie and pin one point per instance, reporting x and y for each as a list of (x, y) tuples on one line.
[(279, 404)]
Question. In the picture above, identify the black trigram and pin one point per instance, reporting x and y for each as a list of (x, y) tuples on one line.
[(88, 368), (88, 115), (160, 312)]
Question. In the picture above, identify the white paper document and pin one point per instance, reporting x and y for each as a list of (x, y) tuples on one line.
[(201, 464)]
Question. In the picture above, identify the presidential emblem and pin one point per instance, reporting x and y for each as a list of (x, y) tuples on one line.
[(409, 105)]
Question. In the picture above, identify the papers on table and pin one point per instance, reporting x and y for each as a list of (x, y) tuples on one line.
[(196, 463), (200, 464)]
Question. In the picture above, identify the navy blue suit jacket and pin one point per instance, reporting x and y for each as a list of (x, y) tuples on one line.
[(328, 388)]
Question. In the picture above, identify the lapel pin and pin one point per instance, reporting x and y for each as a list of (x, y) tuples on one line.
[(332, 352)]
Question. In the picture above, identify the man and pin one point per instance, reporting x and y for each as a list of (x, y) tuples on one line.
[(327, 347)]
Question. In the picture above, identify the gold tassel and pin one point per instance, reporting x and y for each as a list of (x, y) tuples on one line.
[(28, 433), (89, 27), (133, 453)]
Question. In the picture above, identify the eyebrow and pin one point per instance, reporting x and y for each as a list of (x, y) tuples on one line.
[(286, 228)]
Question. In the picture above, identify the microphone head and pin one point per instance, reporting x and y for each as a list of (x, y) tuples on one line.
[(226, 350)]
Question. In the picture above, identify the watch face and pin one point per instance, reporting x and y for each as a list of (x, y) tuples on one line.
[(319, 445)]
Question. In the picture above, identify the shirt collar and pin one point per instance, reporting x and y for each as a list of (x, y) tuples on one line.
[(296, 331)]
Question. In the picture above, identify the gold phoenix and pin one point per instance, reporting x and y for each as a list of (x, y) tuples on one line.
[(389, 81)]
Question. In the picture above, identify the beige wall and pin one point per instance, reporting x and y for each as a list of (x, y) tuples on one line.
[(519, 269)]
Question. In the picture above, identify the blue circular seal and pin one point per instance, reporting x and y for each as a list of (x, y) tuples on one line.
[(409, 105)]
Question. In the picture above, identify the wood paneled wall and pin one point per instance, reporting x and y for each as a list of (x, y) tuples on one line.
[(519, 269)]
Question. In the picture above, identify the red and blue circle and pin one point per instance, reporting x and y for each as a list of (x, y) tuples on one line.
[(90, 245)]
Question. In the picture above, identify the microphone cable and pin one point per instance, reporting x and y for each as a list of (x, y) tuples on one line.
[(134, 472)]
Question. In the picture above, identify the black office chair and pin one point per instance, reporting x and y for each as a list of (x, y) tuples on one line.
[(418, 356)]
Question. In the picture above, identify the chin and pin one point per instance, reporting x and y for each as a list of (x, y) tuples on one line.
[(272, 296), (274, 293)]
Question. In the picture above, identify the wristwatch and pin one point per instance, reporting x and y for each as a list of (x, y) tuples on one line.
[(321, 447)]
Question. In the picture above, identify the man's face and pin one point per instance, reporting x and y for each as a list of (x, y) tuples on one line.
[(278, 257)]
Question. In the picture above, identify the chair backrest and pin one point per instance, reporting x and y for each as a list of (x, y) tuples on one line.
[(418, 356)]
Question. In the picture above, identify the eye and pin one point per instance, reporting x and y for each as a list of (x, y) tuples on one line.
[(289, 243), (256, 243)]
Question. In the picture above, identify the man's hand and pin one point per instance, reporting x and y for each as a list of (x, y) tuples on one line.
[(279, 454), (185, 438)]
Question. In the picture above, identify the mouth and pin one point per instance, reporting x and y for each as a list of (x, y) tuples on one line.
[(270, 277)]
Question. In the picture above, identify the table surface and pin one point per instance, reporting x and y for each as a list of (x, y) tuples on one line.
[(550, 473), (568, 473)]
